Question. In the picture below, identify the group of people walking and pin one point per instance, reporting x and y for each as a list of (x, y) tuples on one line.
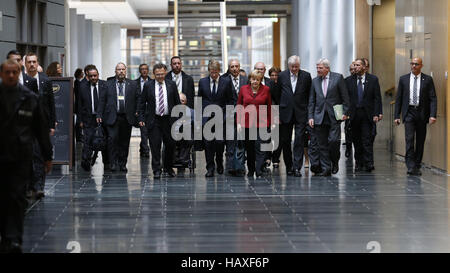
[(310, 109)]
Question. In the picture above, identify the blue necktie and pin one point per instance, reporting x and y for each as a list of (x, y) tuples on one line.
[(214, 88), (360, 91)]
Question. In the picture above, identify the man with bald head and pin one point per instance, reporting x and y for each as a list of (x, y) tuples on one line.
[(117, 109), (416, 104)]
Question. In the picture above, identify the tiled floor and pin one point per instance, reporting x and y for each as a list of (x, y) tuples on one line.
[(133, 213)]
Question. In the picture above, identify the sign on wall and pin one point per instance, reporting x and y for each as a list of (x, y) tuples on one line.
[(63, 139)]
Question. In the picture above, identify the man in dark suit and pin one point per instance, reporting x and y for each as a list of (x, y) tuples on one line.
[(22, 122), (380, 110), (184, 82), (365, 96), (89, 96), (416, 103), (144, 148), (294, 85), (24, 79), (328, 89), (215, 91), (232, 146), (117, 109), (159, 97), (47, 100), (185, 85), (347, 128)]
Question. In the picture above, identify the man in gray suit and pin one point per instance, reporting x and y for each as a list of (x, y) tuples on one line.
[(328, 89)]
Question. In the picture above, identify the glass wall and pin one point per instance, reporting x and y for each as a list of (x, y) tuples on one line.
[(199, 41)]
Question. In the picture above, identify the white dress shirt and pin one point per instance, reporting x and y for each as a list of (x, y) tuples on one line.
[(363, 79), (37, 79), (166, 107), (234, 80), (411, 88), (124, 84), (21, 78), (143, 82), (294, 79), (179, 83)]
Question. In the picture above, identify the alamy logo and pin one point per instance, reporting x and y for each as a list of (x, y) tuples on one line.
[(213, 122)]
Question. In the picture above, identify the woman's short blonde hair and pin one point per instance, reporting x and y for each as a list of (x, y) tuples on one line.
[(255, 74)]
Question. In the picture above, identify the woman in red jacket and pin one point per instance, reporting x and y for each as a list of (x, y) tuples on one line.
[(254, 105)]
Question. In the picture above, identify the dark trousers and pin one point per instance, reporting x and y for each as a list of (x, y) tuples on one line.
[(415, 129), (214, 153), (362, 133), (255, 157), (329, 139), (144, 145), (348, 135), (276, 153), (119, 141), (78, 130), (313, 148), (235, 154), (13, 203), (160, 133), (87, 151), (286, 143), (299, 145), (37, 182), (183, 152)]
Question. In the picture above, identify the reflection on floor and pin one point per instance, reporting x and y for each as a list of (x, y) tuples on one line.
[(131, 212)]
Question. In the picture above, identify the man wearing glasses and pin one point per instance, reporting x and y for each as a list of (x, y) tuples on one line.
[(416, 102)]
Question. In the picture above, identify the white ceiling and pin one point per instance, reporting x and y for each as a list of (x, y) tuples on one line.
[(123, 12)]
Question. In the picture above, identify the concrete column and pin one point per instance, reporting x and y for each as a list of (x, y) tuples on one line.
[(97, 46), (110, 49), (73, 45)]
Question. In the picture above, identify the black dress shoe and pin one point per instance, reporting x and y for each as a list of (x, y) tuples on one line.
[(13, 248), (335, 168), (259, 175), (171, 173), (369, 169), (209, 174), (316, 169), (123, 169), (298, 173), (157, 175), (240, 173), (348, 153), (250, 174), (86, 166), (410, 172), (114, 167), (325, 174), (220, 169), (39, 194), (290, 172)]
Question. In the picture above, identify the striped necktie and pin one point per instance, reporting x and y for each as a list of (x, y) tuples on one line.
[(161, 100)]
